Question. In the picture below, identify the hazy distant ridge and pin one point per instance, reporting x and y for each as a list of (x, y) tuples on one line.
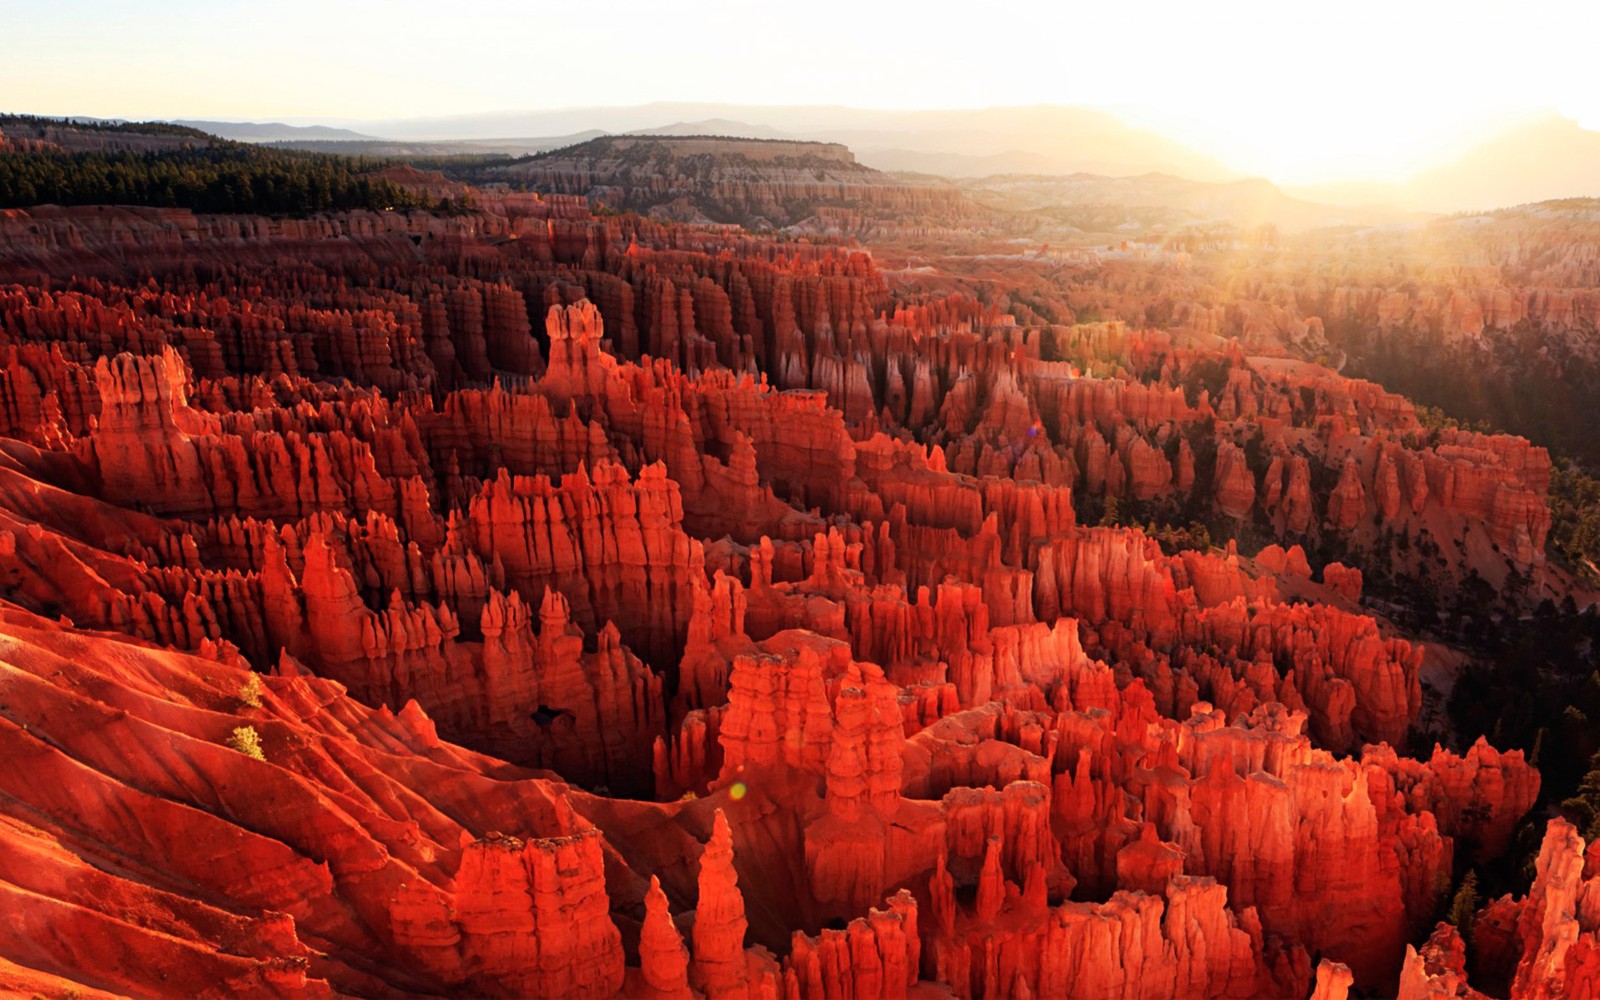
[(269, 131), (1543, 159)]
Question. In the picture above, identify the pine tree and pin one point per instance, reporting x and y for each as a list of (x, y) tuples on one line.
[(1464, 907), (1112, 513), (1584, 808)]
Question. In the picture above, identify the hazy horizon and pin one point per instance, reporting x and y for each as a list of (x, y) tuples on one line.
[(1375, 91)]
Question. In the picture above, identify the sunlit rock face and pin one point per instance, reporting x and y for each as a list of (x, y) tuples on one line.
[(528, 603)]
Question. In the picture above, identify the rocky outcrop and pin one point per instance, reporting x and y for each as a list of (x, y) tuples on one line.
[(434, 899), (1558, 923), (721, 966), (534, 918), (1186, 944), (663, 960), (757, 183), (1235, 487)]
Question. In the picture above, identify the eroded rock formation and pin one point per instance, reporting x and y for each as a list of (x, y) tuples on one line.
[(528, 603)]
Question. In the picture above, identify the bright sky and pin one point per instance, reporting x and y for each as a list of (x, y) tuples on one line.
[(1293, 90)]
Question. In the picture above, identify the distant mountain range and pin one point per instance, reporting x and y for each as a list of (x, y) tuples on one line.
[(1546, 158), (961, 143), (426, 149), (269, 131)]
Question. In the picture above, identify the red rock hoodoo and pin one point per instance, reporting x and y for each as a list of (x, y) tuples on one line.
[(521, 602)]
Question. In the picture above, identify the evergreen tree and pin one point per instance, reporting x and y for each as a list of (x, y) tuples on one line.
[(1464, 907), (219, 177), (1584, 807)]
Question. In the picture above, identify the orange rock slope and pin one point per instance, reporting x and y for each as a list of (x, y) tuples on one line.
[(527, 604)]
